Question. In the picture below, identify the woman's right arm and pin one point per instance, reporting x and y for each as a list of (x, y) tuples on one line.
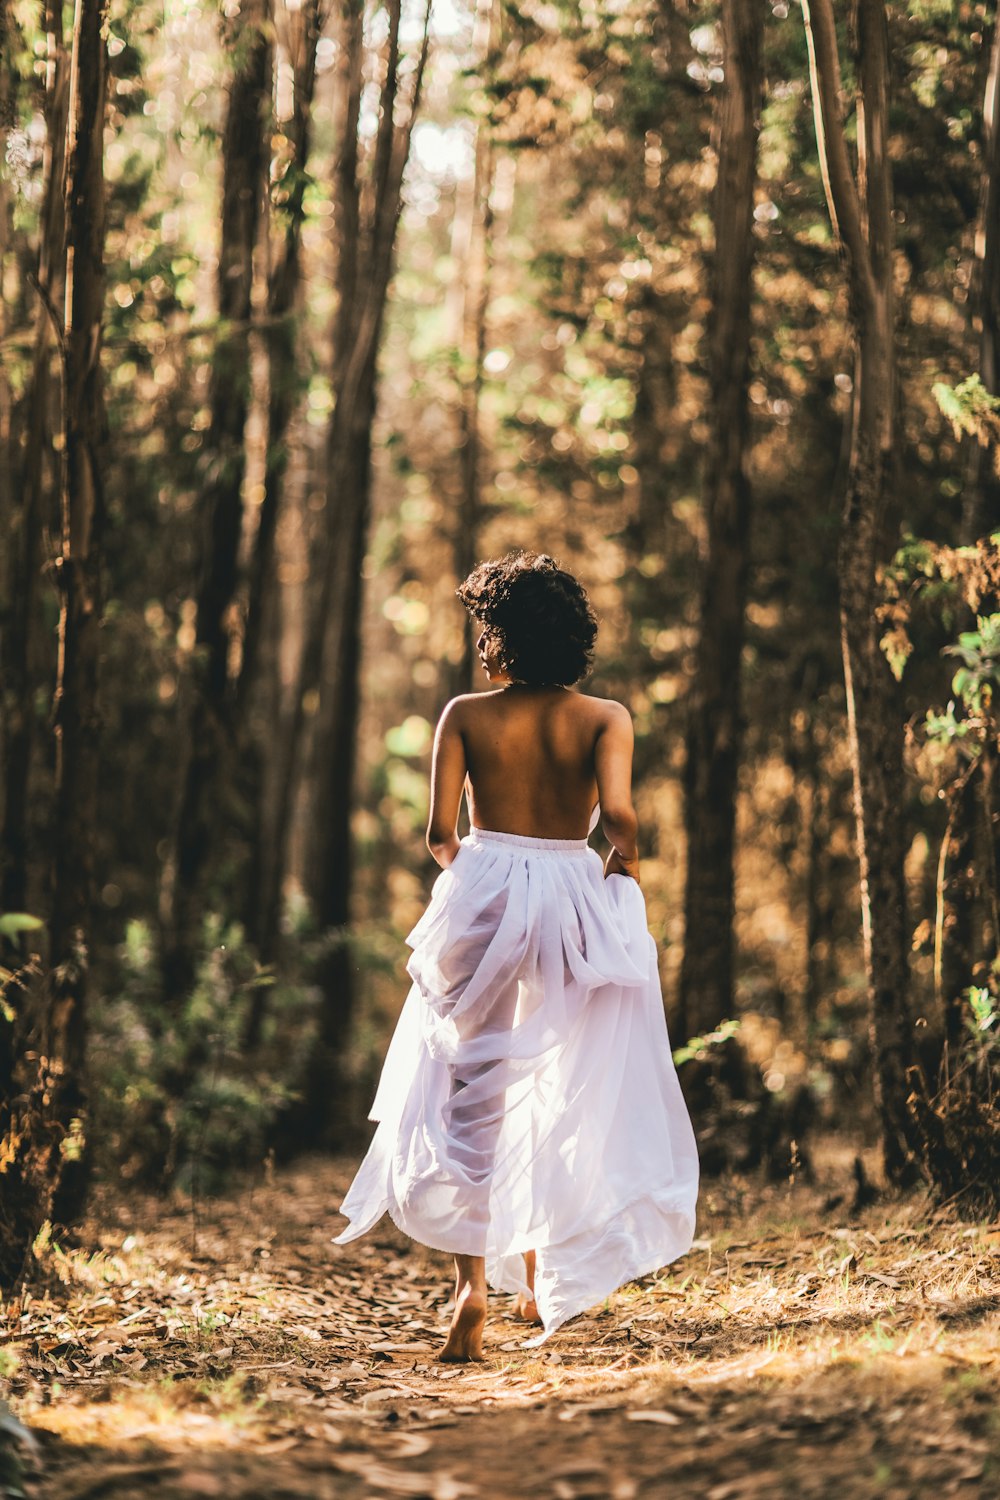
[(613, 767), (447, 780)]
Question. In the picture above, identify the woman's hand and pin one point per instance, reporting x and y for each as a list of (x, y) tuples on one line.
[(617, 864), (445, 851)]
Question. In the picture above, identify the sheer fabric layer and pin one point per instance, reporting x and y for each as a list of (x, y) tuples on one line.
[(528, 1099)]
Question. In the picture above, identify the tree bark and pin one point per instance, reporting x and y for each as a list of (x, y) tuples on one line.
[(284, 282), (368, 208), (12, 857), (77, 699), (982, 498), (209, 735), (862, 219), (471, 249), (24, 653), (7, 116), (714, 727), (283, 298), (956, 899), (958, 894)]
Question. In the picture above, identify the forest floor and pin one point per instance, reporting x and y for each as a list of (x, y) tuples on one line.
[(229, 1349)]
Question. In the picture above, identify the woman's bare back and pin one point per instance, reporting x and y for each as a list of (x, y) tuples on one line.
[(536, 760), (530, 754)]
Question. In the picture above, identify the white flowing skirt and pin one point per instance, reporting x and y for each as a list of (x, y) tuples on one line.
[(529, 1099)]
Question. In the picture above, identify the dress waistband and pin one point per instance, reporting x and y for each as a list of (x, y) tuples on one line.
[(522, 841)]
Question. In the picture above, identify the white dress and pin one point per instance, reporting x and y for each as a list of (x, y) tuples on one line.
[(529, 1099)]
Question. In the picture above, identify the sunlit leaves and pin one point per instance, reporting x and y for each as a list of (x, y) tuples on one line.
[(13, 923), (984, 1013), (409, 615), (411, 738), (970, 408), (978, 679)]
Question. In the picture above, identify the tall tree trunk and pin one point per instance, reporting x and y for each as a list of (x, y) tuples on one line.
[(7, 117), (956, 900), (982, 500), (714, 729), (283, 288), (11, 702), (862, 219), (284, 375), (37, 504), (471, 249), (655, 394), (368, 209), (201, 806), (819, 903), (957, 896), (77, 702), (349, 468)]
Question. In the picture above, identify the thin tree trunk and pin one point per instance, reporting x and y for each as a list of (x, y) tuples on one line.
[(819, 928), (284, 283), (290, 733), (368, 214), (335, 744), (471, 249), (982, 498), (955, 904), (7, 115), (201, 807), (284, 374), (862, 219), (77, 702), (655, 394), (714, 728)]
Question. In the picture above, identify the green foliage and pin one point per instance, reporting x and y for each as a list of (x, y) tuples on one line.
[(13, 923), (412, 737), (983, 1012), (177, 1099), (946, 728), (699, 1045), (970, 408), (974, 685), (978, 677)]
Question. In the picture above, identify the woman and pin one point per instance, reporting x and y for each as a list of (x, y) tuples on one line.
[(531, 1122)]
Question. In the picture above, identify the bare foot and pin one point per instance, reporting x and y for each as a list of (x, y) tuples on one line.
[(525, 1305), (527, 1308), (465, 1337)]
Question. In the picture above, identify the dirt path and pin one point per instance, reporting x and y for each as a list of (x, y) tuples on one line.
[(794, 1352)]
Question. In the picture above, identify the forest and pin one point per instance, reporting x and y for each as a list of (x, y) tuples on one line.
[(308, 306)]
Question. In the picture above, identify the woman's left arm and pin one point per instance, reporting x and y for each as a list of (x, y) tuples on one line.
[(448, 770)]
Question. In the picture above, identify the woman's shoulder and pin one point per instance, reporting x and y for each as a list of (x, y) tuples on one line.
[(468, 706), (608, 709), (460, 709)]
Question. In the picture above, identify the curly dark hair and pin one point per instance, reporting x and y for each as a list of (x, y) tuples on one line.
[(540, 614)]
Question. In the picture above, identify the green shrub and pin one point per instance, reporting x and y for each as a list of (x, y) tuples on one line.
[(177, 1098)]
